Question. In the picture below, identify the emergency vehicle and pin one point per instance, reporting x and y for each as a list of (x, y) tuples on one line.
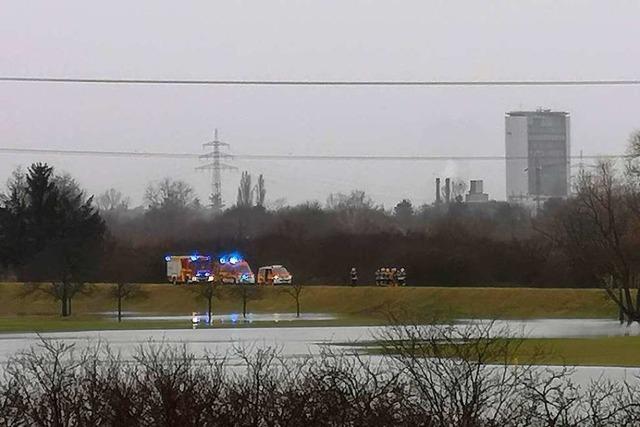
[(233, 269), (189, 268), (274, 275)]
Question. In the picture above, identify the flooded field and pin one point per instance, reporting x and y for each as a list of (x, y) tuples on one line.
[(299, 340), (292, 342), (309, 341)]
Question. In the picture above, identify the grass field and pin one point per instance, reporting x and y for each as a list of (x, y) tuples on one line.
[(417, 303), (601, 351), (596, 351)]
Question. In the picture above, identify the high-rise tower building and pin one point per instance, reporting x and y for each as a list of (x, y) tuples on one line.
[(538, 155)]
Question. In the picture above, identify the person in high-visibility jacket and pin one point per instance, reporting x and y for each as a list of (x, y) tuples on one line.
[(402, 277), (383, 276), (354, 276)]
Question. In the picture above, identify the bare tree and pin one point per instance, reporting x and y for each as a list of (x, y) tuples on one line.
[(169, 195), (64, 292), (462, 375), (246, 293), (278, 204), (633, 150), (123, 262), (126, 291), (356, 212), (16, 187), (112, 200), (597, 231), (208, 291), (295, 291), (357, 199)]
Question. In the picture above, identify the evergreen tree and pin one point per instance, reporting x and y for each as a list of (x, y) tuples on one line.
[(49, 231)]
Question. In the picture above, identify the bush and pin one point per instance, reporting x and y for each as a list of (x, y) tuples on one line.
[(427, 376)]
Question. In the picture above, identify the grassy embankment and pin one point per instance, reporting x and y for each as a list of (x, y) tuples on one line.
[(353, 306), (359, 305)]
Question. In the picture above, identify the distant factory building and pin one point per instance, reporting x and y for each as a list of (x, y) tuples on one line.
[(538, 156), (475, 194), (453, 192)]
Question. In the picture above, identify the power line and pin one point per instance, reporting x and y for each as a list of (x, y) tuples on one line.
[(367, 157), (96, 153), (240, 82), (275, 157)]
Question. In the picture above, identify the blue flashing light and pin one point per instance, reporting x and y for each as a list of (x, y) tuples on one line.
[(194, 257), (231, 258), (167, 258)]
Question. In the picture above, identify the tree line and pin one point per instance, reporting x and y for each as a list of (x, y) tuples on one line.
[(52, 231), (448, 244)]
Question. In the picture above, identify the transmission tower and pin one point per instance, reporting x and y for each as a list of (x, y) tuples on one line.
[(216, 167)]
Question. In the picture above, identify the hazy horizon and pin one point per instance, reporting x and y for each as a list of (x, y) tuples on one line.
[(358, 40)]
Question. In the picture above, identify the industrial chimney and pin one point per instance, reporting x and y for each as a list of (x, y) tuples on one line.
[(438, 198), (447, 190)]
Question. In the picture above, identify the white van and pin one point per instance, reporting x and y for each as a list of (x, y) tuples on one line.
[(274, 275)]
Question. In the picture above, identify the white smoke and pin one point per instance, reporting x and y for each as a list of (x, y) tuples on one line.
[(450, 169)]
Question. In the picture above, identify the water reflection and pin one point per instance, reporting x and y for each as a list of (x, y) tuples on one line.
[(223, 318), (306, 341)]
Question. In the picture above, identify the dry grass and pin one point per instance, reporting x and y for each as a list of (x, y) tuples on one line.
[(417, 303)]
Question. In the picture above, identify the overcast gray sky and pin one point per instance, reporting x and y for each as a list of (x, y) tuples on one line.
[(311, 39)]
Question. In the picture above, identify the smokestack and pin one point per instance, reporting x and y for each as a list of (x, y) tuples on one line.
[(447, 190), (438, 199)]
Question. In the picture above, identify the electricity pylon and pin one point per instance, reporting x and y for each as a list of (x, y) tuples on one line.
[(216, 167)]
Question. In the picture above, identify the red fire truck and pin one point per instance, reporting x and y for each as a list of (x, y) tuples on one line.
[(233, 269), (189, 268)]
